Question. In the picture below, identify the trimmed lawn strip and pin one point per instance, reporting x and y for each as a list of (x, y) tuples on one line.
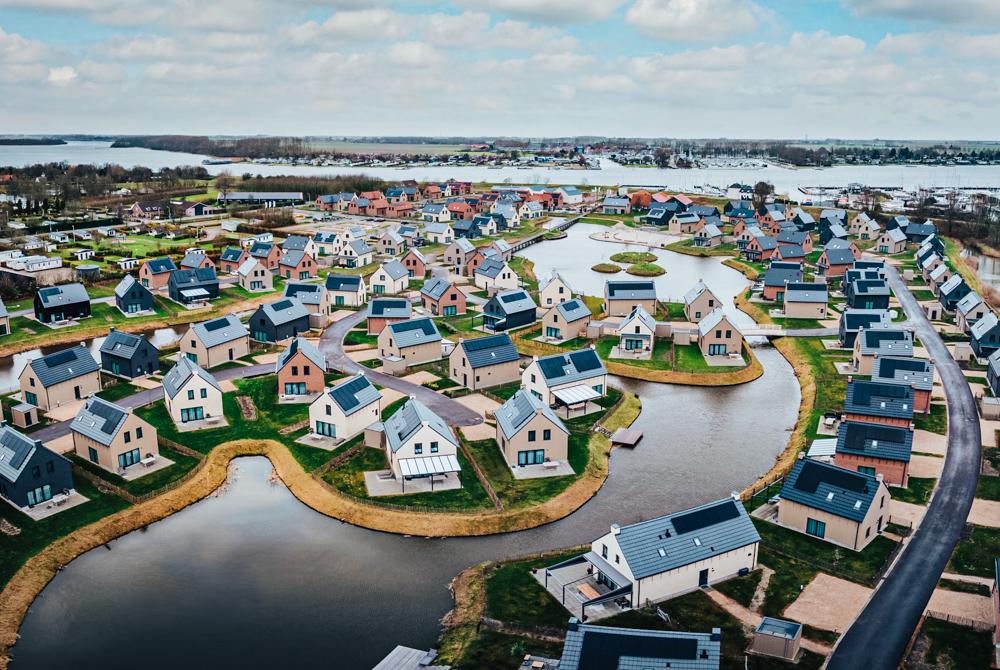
[(121, 389), (956, 647), (786, 584), (741, 589), (918, 492), (988, 488), (977, 554), (936, 421), (964, 587), (513, 595), (151, 482), (491, 649)]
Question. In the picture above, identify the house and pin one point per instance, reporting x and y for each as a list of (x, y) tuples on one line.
[(461, 211), (938, 276), (190, 286), (509, 309), (566, 379), (131, 297), (383, 311), (346, 290), (637, 331), (30, 473), (684, 223), (268, 254), (621, 296), (279, 320), (892, 241), (300, 368), (254, 277), (356, 254), (391, 243), (442, 298), (128, 355), (65, 302), (389, 278), (867, 294), (83, 254), (805, 300), (191, 394), (917, 233), (196, 260), (789, 253), (505, 250), (803, 220), (296, 264), (216, 341), (861, 223), (435, 213), (506, 215), (327, 243), (835, 262), (699, 301), (708, 236), (566, 320), (113, 437), (481, 224), (316, 299), (878, 402), (916, 373), (302, 243), (345, 409), (439, 233), (571, 195), (528, 432), (993, 373), (969, 310), (665, 557), (418, 444), (717, 336), (483, 362), (60, 378), (952, 291), (844, 507), (760, 248), (853, 321), (148, 210), (613, 205), (777, 276), (415, 264), (232, 258), (495, 274), (985, 336), (458, 254), (875, 450), (831, 231), (477, 259), (333, 201), (738, 209), (553, 290), (588, 646), (410, 342), (264, 198), (4, 320), (794, 238), (875, 343)]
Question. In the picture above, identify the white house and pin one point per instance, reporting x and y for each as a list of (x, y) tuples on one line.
[(192, 395), (389, 278), (553, 290), (346, 409), (419, 444), (566, 379)]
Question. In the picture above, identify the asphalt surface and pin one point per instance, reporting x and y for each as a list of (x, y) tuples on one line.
[(878, 637), (331, 343)]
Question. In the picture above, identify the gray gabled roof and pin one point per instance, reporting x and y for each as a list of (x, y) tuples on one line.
[(464, 245), (844, 493), (491, 267), (126, 284), (435, 287), (99, 420), (218, 331), (879, 399), (520, 409), (483, 352), (295, 243), (436, 228), (123, 345), (994, 362), (589, 647), (713, 319), (551, 278), (915, 372), (511, 302), (308, 350), (780, 274), (814, 292), (283, 311), (193, 259), (395, 270), (896, 235), (65, 294), (247, 266), (874, 440), (697, 534), (838, 256), (570, 367), (179, 375), (291, 257), (969, 302), (887, 342), (638, 313), (414, 331), (353, 393), (307, 294), (64, 365), (573, 310), (637, 289), (231, 254), (16, 450), (160, 265), (952, 284), (360, 247), (984, 326), (390, 308), (402, 425), (335, 282)]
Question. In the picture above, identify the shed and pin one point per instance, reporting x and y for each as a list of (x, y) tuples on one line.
[(777, 637)]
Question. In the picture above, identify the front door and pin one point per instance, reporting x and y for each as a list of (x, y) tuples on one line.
[(716, 350), (450, 310), (76, 392), (703, 578)]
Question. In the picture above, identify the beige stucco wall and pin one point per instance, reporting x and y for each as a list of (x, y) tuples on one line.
[(351, 299), (424, 436), (217, 355), (381, 278), (347, 425), (552, 319), (839, 531), (421, 353), (734, 343), (623, 307), (507, 279), (492, 375), (211, 404), (61, 394), (685, 579), (108, 455), (805, 310), (701, 306), (538, 385), (556, 448), (259, 273), (550, 296)]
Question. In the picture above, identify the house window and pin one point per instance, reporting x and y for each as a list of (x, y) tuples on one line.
[(138, 432), (434, 447), (295, 370), (866, 470), (531, 436), (418, 448), (532, 379), (92, 454), (815, 527), (204, 393), (190, 394), (128, 436), (329, 410), (546, 434), (50, 467), (36, 471), (305, 370), (604, 551)]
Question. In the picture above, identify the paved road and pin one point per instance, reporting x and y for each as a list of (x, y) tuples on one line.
[(879, 636), (331, 343)]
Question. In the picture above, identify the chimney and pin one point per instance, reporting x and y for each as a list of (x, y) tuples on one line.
[(802, 455), (535, 357), (879, 476), (413, 396), (615, 529), (716, 634), (573, 624)]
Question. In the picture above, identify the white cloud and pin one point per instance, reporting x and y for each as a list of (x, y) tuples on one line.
[(355, 25), (415, 55), (549, 11), (971, 12), (104, 73), (695, 20), (62, 76), (16, 49)]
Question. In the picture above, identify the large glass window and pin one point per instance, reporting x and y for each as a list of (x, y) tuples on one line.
[(815, 527)]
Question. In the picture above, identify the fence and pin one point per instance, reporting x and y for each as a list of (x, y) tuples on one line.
[(833, 571), (974, 624)]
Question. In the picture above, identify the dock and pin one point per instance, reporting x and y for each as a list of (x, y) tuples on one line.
[(626, 437)]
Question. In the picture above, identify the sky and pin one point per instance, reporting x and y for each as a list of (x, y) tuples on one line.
[(896, 69)]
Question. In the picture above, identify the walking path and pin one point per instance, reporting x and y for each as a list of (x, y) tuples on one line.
[(879, 636), (752, 619)]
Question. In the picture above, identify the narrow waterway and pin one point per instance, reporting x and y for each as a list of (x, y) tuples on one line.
[(252, 578)]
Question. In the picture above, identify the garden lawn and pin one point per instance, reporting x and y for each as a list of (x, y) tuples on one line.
[(500, 650), (936, 421), (977, 554), (360, 336), (956, 647), (918, 491), (151, 482), (513, 595), (741, 589), (121, 389), (988, 488)]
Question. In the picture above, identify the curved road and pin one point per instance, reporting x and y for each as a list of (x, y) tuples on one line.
[(331, 343), (878, 637)]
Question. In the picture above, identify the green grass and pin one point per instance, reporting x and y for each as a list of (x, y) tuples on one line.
[(923, 294), (689, 359), (645, 270), (831, 386), (633, 257), (513, 595), (151, 482), (956, 647), (264, 393), (936, 421), (988, 488), (36, 535), (827, 637), (918, 491), (606, 268), (741, 589), (500, 650), (977, 554), (442, 384), (674, 311), (786, 584), (311, 458), (360, 336), (964, 587)]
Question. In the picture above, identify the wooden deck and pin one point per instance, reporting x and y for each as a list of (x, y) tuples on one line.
[(626, 437)]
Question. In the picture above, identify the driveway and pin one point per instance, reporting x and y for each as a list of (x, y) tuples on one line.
[(332, 344), (879, 635)]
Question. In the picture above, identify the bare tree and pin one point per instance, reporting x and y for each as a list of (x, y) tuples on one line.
[(762, 190)]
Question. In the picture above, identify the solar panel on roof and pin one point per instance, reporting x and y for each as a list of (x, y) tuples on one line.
[(419, 324), (889, 366), (111, 415), (703, 518), (585, 360), (46, 292), (552, 367), (488, 342), (858, 433), (813, 474), (512, 297), (281, 304), (216, 324), (60, 358), (601, 651), (345, 394)]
